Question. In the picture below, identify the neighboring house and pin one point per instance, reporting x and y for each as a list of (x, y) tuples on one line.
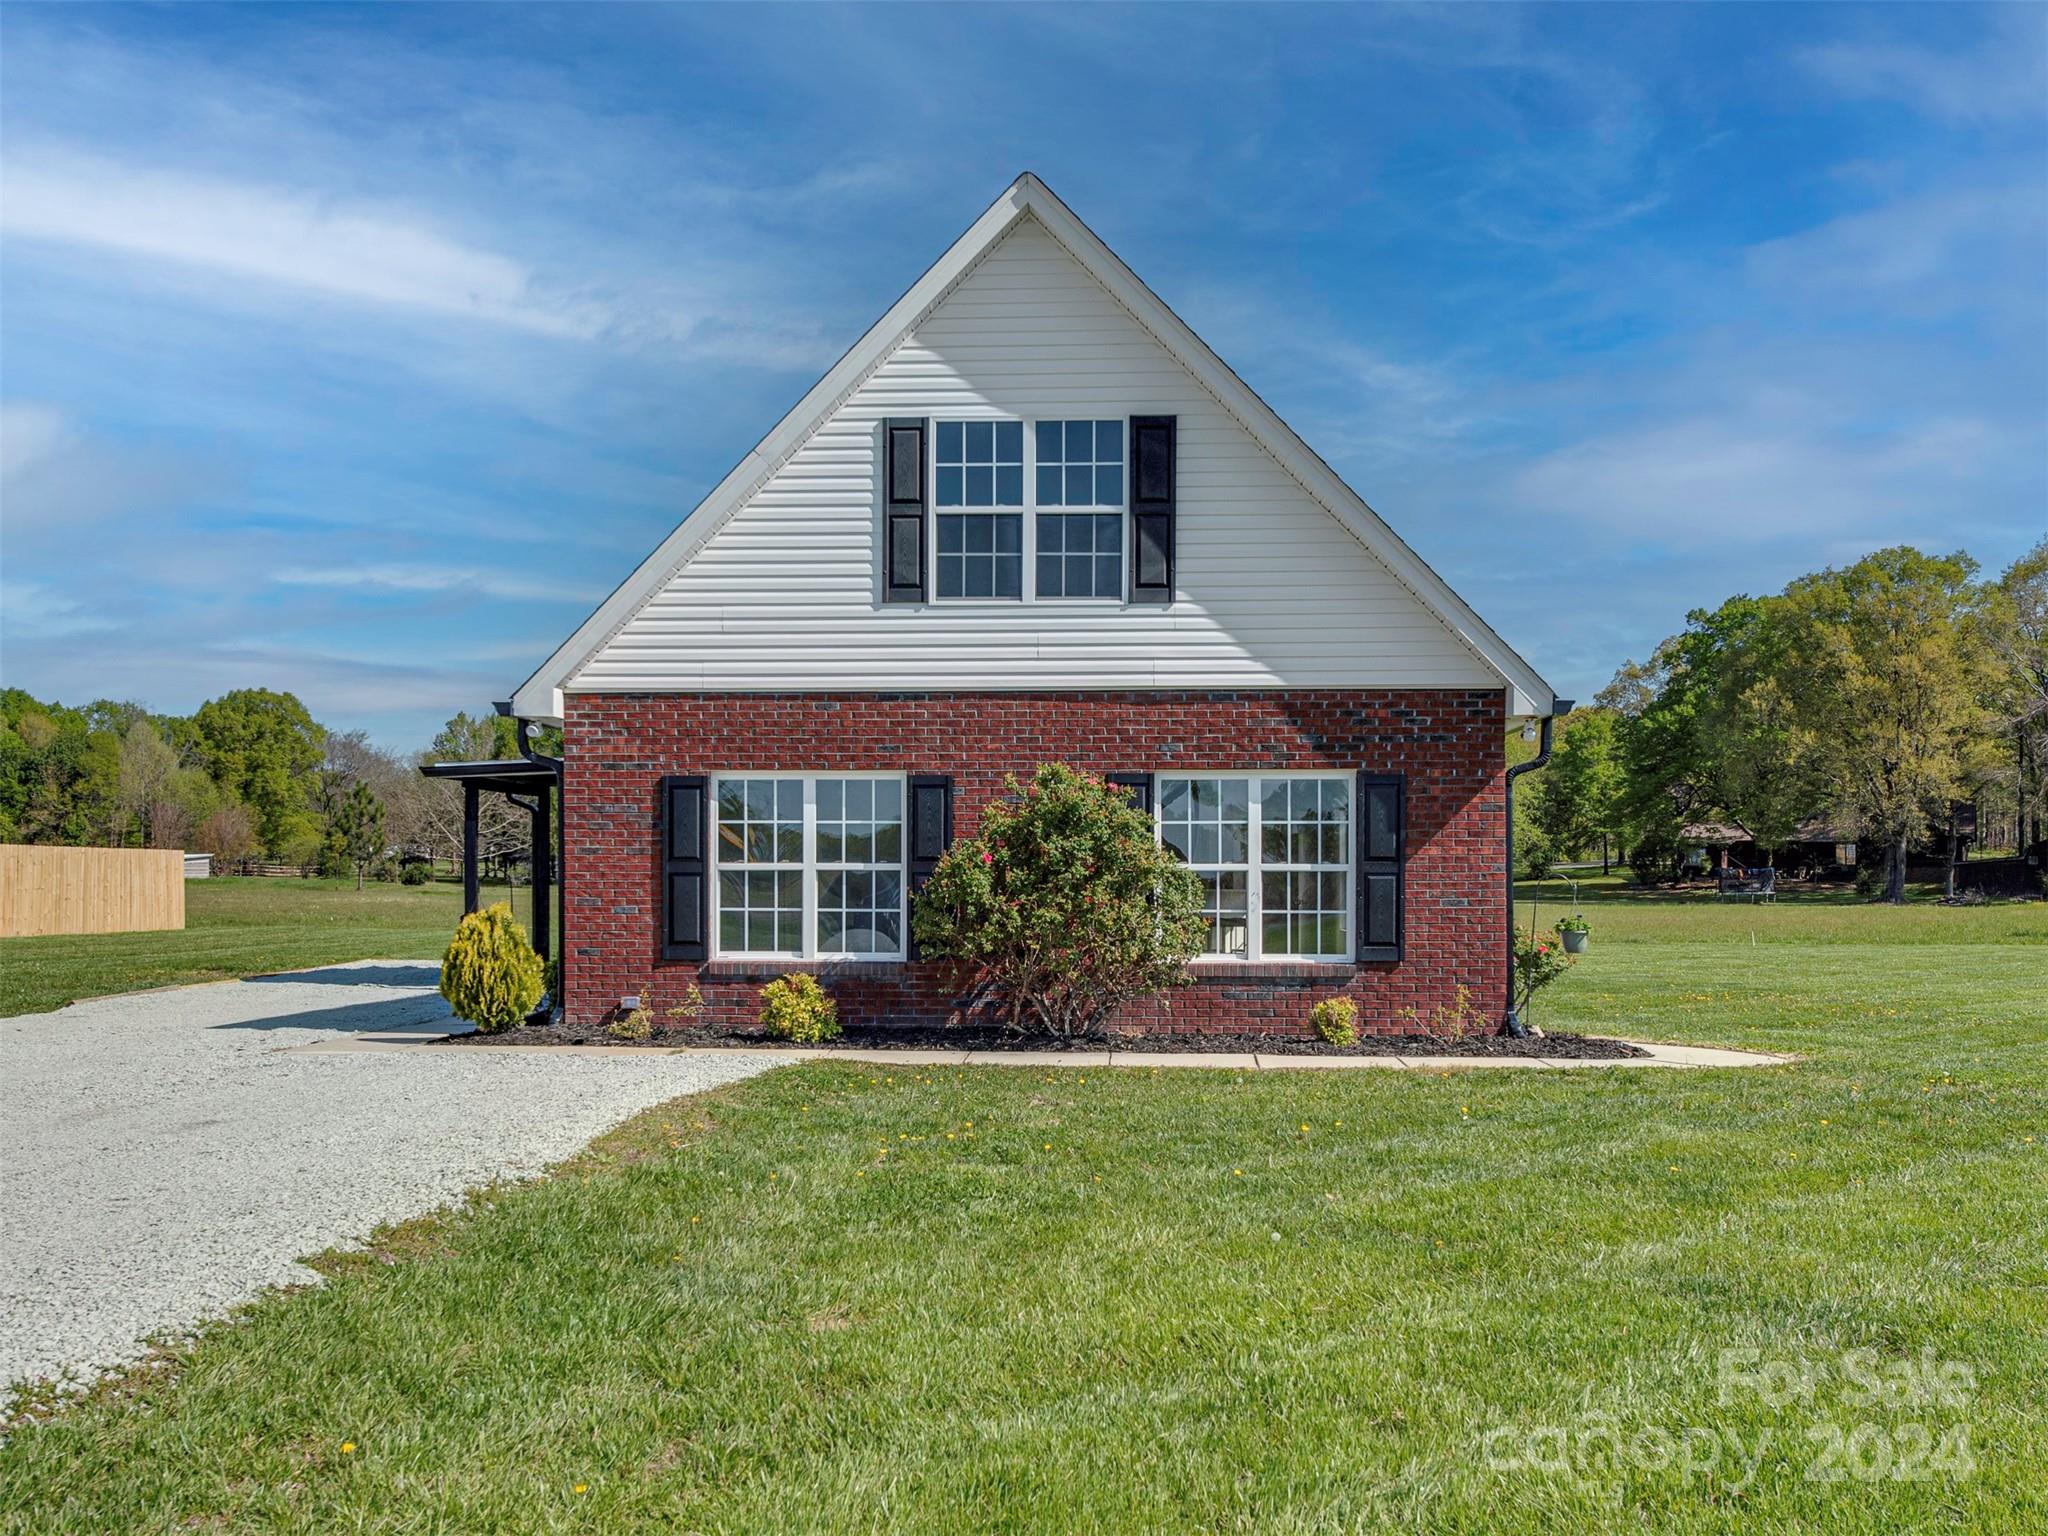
[(1031, 516)]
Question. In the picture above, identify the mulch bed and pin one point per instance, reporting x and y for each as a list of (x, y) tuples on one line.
[(871, 1037)]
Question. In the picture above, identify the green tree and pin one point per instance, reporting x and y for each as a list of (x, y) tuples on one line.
[(263, 748), (2016, 629), (1581, 799), (1889, 684), (146, 776), (358, 829)]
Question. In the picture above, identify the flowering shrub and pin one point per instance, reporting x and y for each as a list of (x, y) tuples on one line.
[(1335, 1021), (490, 974), (1063, 909), (795, 1007), (1538, 962)]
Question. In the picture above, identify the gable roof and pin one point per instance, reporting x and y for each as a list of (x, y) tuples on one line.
[(540, 696)]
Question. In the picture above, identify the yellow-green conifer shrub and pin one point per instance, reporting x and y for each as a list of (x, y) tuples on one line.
[(491, 975), (1335, 1021), (795, 1007)]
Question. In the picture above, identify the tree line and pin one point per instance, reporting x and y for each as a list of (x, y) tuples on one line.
[(248, 775), (1871, 697)]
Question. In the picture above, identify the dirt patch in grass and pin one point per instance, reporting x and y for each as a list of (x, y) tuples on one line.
[(915, 1038)]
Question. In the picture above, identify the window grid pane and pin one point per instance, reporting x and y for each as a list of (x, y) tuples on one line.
[(980, 464), (1080, 554), (981, 554), (1274, 857), (1305, 858), (843, 860), (1208, 823), (860, 867), (1080, 464)]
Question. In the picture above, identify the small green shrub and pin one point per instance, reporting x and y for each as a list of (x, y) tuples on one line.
[(795, 1007), (1335, 1021), (637, 1025), (690, 1007), (415, 872), (490, 974)]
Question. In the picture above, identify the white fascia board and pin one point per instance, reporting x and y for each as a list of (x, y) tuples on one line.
[(540, 696)]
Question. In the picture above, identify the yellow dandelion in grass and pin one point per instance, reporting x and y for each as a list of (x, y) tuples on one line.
[(1098, 1178), (1048, 1146), (1304, 1127), (695, 1219), (348, 1447), (949, 1136), (1237, 1173), (860, 1173), (1823, 1122), (1674, 1168), (583, 1487)]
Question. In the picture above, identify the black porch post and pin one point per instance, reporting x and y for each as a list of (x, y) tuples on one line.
[(469, 881), (542, 875)]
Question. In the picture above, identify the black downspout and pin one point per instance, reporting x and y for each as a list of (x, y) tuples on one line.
[(1512, 1024), (520, 728)]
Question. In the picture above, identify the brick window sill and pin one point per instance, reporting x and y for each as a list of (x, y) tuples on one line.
[(1274, 970)]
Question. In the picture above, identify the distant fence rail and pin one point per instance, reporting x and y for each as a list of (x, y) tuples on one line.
[(46, 889)]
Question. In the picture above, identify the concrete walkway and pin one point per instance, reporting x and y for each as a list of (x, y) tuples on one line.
[(1236, 1061)]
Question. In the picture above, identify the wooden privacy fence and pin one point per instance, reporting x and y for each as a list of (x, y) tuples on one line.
[(45, 889)]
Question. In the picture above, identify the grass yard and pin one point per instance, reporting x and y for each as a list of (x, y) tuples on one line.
[(842, 1298), (236, 926)]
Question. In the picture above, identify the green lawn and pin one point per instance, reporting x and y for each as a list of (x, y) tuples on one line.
[(239, 927), (842, 1298)]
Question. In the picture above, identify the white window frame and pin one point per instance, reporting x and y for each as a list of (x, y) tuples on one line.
[(808, 931), (1122, 511), (1028, 582), (1254, 866)]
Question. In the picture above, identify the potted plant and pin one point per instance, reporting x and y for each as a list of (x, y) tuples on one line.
[(1576, 932)]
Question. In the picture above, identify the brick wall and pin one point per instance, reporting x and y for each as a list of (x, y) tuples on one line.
[(1449, 743)]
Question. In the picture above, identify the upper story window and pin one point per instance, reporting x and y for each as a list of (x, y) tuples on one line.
[(1079, 469), (979, 468)]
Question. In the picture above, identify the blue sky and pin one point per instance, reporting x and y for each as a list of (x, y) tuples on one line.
[(360, 351)]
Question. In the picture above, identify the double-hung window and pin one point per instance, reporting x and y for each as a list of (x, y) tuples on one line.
[(1274, 856), (978, 482), (810, 867), (1029, 509), (1079, 469)]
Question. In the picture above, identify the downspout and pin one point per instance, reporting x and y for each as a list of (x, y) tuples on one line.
[(1512, 1023), (521, 730)]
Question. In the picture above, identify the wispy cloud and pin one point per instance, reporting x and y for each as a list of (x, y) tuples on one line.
[(2000, 76), (28, 608), (432, 578), (350, 251)]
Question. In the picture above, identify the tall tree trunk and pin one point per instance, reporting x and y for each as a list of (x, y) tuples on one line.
[(1895, 873)]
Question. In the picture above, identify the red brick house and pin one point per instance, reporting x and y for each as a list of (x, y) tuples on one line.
[(1031, 516)]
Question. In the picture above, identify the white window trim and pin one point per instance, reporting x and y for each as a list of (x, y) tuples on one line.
[(1028, 582), (809, 931), (1254, 866)]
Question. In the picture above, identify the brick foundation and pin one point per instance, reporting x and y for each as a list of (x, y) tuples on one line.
[(1450, 743)]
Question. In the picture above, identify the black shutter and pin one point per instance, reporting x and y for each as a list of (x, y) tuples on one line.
[(685, 931), (1139, 785), (903, 509), (1382, 840), (931, 831), (1153, 451)]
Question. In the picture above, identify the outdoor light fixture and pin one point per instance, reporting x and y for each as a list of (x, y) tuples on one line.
[(1528, 730)]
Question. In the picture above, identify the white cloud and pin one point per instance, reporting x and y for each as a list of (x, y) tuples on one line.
[(2003, 78), (30, 435), (430, 578), (28, 608), (346, 250)]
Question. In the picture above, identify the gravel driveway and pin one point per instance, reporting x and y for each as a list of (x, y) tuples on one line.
[(167, 1154)]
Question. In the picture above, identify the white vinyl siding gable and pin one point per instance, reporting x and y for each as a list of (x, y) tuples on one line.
[(1272, 590)]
